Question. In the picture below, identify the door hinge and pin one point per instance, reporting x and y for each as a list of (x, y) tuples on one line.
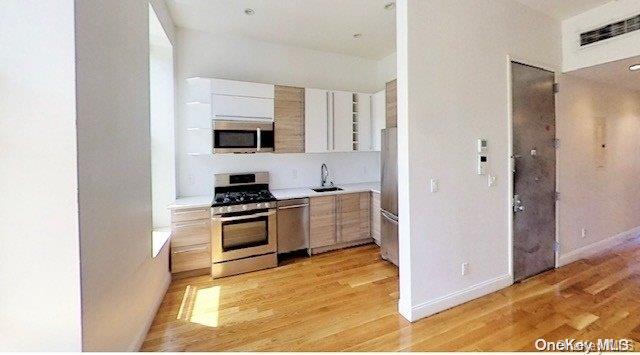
[(557, 196), (556, 88), (556, 143), (556, 246)]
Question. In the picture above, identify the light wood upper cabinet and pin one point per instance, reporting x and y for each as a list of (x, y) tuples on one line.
[(378, 118), (289, 119), (322, 221), (391, 104)]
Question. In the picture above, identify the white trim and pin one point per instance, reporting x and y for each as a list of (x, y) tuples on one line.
[(456, 298), (597, 247)]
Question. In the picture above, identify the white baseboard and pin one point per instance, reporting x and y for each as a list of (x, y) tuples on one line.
[(454, 299), (596, 247), (135, 347)]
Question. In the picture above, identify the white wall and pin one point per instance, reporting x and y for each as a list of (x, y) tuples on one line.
[(386, 70), (121, 283), (456, 85), (39, 243), (602, 200), (208, 55), (162, 113), (620, 47)]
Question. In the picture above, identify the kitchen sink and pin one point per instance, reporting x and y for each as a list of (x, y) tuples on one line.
[(326, 189)]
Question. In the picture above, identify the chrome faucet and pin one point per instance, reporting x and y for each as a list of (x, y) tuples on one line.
[(324, 174)]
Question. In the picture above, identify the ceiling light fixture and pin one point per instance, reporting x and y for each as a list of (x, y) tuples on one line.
[(249, 12), (389, 6), (635, 67), (357, 35)]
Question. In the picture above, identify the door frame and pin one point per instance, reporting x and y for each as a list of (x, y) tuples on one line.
[(557, 72)]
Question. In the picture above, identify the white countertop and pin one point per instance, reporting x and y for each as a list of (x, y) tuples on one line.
[(286, 194), (280, 194), (191, 202)]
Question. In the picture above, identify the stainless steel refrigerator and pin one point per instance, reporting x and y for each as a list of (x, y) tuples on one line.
[(389, 195)]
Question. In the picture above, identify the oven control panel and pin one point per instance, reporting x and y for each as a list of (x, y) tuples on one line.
[(243, 208)]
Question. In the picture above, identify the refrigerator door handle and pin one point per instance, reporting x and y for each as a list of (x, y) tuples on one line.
[(389, 216)]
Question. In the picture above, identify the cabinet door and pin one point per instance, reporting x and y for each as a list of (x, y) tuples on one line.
[(342, 127), (240, 107), (316, 121), (365, 215), (241, 88), (289, 120), (363, 123), (348, 217), (375, 217), (391, 104), (322, 221), (377, 119)]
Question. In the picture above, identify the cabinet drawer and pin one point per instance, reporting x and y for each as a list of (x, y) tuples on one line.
[(191, 233), (190, 215), (190, 258)]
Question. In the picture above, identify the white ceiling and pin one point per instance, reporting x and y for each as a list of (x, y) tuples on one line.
[(563, 9), (326, 25), (613, 73)]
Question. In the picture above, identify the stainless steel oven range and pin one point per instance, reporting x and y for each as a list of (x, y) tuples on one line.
[(243, 224)]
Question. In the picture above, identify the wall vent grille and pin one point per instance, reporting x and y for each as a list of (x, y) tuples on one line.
[(611, 30)]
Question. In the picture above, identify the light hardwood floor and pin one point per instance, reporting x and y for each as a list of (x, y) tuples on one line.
[(347, 301)]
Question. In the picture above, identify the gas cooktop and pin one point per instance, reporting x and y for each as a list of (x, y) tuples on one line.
[(242, 197)]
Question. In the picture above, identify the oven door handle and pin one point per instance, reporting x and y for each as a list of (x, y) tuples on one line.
[(259, 136), (240, 218)]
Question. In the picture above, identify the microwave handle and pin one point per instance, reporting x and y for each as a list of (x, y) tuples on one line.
[(258, 133)]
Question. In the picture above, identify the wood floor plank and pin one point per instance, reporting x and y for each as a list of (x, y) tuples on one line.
[(346, 300)]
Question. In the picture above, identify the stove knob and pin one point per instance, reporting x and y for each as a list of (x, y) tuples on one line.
[(258, 205), (220, 209), (244, 207), (229, 209)]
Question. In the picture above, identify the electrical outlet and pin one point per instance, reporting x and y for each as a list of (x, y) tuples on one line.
[(465, 269), (584, 233), (434, 185), (191, 180), (294, 174), (364, 170)]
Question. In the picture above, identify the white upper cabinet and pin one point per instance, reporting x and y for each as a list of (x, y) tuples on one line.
[(378, 112), (342, 117), (337, 121), (242, 88), (316, 121), (362, 122), (241, 107), (231, 99)]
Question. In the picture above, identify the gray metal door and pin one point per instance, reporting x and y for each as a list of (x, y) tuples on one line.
[(534, 175)]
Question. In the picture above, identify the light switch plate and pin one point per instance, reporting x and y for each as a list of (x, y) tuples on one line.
[(491, 180), (434, 185)]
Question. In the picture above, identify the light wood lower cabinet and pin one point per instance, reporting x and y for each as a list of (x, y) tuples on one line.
[(323, 221), (289, 119), (191, 240), (339, 221), (375, 217)]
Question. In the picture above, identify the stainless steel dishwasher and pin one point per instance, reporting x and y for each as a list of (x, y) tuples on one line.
[(293, 225)]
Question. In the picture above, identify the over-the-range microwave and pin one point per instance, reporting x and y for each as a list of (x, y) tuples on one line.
[(242, 136)]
